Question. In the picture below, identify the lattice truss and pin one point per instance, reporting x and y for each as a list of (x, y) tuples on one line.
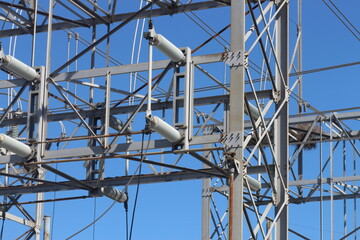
[(83, 116)]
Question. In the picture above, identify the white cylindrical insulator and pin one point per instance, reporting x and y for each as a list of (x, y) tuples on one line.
[(19, 68), (114, 194), (15, 146), (164, 129), (253, 111), (115, 123), (255, 185), (169, 49), (14, 131)]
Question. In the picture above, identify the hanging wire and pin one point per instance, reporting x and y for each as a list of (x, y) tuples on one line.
[(138, 59), (54, 203), (138, 169), (126, 219), (133, 76), (347, 20), (2, 226), (62, 135), (94, 225), (101, 53), (142, 154), (351, 28), (206, 26), (93, 222)]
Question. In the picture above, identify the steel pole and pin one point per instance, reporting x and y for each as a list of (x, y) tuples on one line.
[(46, 228), (281, 127), (206, 195), (236, 122), (300, 87), (42, 107)]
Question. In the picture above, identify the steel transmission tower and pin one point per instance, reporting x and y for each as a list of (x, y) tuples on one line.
[(80, 121)]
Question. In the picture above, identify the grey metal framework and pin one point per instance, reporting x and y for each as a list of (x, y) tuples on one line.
[(247, 141)]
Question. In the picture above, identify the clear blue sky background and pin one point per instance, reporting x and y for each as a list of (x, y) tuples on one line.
[(173, 210)]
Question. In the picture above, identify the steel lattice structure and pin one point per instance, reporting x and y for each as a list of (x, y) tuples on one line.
[(247, 140)]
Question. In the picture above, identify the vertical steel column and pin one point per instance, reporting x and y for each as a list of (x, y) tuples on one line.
[(184, 81), (299, 69), (150, 78), (92, 170), (355, 199), (281, 125), (188, 98), (331, 157), (42, 108), (34, 6), (106, 119), (268, 228), (344, 174), (299, 55), (236, 121), (46, 228), (206, 195)]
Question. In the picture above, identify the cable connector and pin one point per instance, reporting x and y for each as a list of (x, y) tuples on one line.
[(151, 26), (147, 129), (126, 204)]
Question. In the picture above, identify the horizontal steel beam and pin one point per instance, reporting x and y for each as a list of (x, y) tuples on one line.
[(116, 181), (130, 68), (115, 111), (116, 70), (117, 18), (120, 181), (17, 219), (168, 105), (314, 199), (324, 180)]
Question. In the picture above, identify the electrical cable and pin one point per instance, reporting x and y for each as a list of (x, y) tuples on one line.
[(2, 226), (94, 225), (218, 33), (341, 20), (54, 204), (109, 208), (138, 183), (99, 51), (126, 219), (352, 25), (131, 84), (106, 211), (203, 28), (90, 224)]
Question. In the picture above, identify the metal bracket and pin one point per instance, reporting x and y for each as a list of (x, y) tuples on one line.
[(232, 162), (276, 96), (207, 192), (234, 59), (231, 140), (288, 92)]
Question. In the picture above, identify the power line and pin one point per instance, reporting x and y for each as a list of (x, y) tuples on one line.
[(352, 25), (138, 183), (203, 28), (342, 21)]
